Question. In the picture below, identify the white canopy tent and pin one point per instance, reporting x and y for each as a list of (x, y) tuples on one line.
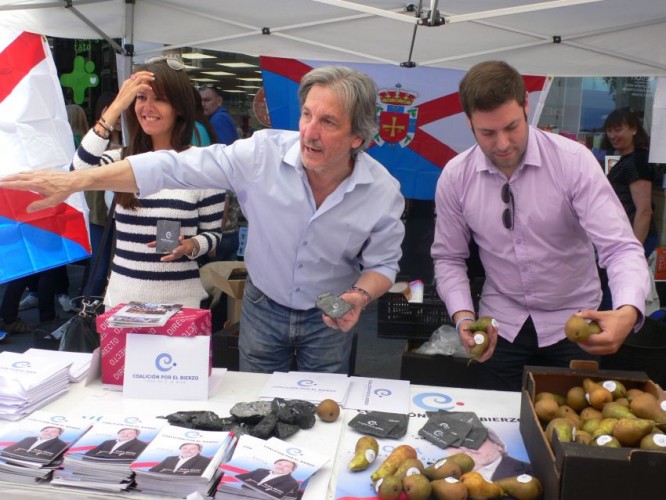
[(570, 38)]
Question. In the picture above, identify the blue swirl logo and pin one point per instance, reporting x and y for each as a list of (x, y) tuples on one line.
[(21, 364), (294, 451), (306, 382), (58, 418), (164, 362), (132, 420), (382, 393), (433, 401), (192, 434)]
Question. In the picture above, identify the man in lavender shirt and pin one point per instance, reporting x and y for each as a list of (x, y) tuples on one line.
[(537, 205)]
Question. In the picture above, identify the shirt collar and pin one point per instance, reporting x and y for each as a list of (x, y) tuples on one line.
[(532, 155)]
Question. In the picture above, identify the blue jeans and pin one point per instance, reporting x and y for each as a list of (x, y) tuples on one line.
[(272, 334)]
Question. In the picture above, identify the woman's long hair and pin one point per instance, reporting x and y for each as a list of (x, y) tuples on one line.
[(176, 88)]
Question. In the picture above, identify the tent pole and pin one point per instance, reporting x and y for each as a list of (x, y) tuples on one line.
[(89, 23)]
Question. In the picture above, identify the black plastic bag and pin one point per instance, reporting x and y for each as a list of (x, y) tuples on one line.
[(79, 334)]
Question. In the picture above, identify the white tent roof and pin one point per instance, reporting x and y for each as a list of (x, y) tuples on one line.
[(603, 37)]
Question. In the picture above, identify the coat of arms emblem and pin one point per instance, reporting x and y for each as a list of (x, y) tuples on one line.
[(397, 117)]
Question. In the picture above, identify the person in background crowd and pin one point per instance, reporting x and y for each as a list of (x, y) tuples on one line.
[(78, 121), (161, 117), (632, 176), (204, 133), (98, 203), (323, 217), (218, 115), (537, 205)]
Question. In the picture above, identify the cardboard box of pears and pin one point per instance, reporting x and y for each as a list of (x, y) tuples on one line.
[(613, 411)]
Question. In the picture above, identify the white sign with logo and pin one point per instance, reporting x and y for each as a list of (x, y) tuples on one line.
[(162, 367)]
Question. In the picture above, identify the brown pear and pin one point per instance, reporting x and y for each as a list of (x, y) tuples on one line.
[(546, 409), (544, 394), (590, 413), (523, 487), (576, 398), (449, 488), (565, 411), (622, 401), (478, 487), (615, 387), (630, 431), (578, 329), (648, 406), (616, 410), (589, 385), (443, 468), (653, 441), (599, 397), (583, 437), (633, 392), (465, 462)]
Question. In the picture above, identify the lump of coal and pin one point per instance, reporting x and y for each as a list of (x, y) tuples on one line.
[(264, 429), (251, 413), (204, 420), (283, 431)]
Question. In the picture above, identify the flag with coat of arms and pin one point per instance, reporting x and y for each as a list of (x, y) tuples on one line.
[(421, 123), (35, 134)]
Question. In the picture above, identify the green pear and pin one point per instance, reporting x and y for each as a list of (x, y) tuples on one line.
[(605, 427), (653, 441), (388, 488), (465, 462), (481, 342), (523, 487), (617, 388), (449, 489), (583, 437), (544, 395), (546, 409), (481, 324), (417, 487), (616, 410), (606, 441), (562, 427), (409, 467), (578, 329), (443, 468)]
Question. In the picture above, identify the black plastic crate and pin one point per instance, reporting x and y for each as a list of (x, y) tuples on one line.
[(397, 318)]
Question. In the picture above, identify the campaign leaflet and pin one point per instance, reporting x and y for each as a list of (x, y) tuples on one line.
[(180, 461), (40, 440), (101, 458), (272, 469), (143, 314)]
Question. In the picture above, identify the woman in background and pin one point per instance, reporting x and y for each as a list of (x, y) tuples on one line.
[(161, 117)]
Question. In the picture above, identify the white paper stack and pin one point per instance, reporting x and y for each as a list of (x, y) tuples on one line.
[(181, 461), (80, 361), (101, 459), (31, 449), (308, 386), (27, 384), (268, 470)]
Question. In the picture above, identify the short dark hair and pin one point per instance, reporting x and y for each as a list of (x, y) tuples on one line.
[(488, 85), (214, 88), (193, 444), (626, 116), (60, 429)]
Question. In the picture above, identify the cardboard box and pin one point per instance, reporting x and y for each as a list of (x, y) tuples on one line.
[(660, 264), (185, 323), (437, 369), (226, 277), (572, 471)]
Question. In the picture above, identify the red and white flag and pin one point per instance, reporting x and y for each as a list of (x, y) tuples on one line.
[(35, 134)]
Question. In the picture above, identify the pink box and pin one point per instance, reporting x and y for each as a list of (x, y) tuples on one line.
[(185, 323)]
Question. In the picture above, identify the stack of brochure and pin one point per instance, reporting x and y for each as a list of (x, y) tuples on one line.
[(101, 459), (79, 361), (308, 386), (31, 449), (27, 384), (181, 461), (138, 314), (267, 470)]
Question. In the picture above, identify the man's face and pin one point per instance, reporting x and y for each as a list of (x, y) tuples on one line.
[(282, 467), (326, 137), (210, 101), (189, 450), (126, 434), (502, 134), (49, 433)]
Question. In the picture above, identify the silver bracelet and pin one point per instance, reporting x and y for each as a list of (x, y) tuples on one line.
[(460, 321)]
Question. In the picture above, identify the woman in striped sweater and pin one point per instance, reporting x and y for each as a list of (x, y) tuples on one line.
[(161, 117)]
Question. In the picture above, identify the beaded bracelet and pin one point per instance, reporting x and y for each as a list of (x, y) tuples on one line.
[(461, 320), (365, 294), (106, 137)]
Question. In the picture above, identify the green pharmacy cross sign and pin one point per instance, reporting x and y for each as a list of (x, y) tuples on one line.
[(80, 79)]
